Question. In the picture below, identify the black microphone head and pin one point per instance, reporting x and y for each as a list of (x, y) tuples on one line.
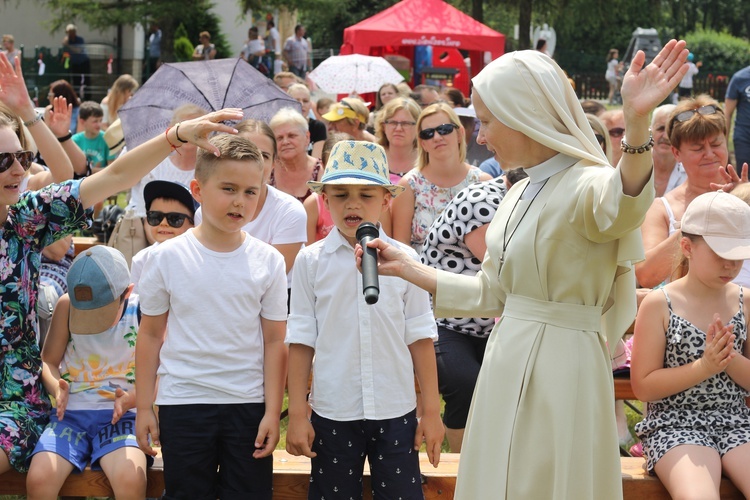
[(367, 229)]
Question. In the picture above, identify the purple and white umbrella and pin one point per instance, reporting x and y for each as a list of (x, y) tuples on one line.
[(211, 85), (354, 73)]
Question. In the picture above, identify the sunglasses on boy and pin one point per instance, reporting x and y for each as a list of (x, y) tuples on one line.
[(24, 158), (444, 129), (174, 219), (708, 109)]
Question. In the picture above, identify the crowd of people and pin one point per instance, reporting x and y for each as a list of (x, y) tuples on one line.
[(527, 217)]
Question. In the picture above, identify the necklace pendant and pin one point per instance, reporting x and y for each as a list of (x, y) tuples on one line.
[(500, 263)]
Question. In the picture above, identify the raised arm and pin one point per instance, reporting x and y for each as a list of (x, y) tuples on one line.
[(644, 88), (128, 169), (57, 116), (14, 94)]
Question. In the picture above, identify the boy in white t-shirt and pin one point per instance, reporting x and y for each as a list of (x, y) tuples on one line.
[(89, 367), (221, 294), (170, 211), (363, 398)]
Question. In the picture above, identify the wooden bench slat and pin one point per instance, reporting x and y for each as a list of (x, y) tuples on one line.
[(291, 478)]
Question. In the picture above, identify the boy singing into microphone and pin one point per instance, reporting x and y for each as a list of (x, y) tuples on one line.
[(363, 399)]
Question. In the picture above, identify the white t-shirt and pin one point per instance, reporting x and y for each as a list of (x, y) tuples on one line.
[(138, 263), (252, 47), (363, 366), (687, 80), (282, 220), (164, 171), (213, 351)]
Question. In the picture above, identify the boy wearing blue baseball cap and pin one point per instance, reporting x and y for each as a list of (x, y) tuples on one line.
[(89, 368)]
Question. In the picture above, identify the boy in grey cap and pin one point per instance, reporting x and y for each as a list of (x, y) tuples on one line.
[(89, 368)]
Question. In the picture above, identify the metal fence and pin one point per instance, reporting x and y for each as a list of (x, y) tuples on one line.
[(97, 82), (594, 86)]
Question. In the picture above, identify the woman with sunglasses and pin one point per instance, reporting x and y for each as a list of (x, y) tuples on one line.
[(33, 220), (697, 131), (441, 172), (558, 273)]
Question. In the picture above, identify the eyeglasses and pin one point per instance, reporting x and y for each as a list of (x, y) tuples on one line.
[(174, 219), (24, 158), (444, 129), (396, 124), (616, 132), (709, 109)]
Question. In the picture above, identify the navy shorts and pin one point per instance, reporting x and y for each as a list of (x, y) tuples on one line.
[(342, 447), (208, 452)]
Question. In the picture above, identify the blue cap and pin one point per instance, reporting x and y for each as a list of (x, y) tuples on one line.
[(96, 280)]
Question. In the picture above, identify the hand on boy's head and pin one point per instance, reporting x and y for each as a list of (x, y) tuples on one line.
[(198, 130)]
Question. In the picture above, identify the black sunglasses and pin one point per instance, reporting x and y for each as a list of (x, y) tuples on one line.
[(174, 219), (24, 158), (709, 109), (444, 129)]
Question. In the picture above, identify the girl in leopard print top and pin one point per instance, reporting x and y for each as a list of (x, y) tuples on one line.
[(690, 357)]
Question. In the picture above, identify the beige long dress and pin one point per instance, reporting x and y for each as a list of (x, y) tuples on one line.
[(542, 424)]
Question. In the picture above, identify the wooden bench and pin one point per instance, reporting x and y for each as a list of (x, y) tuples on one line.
[(84, 243), (291, 478)]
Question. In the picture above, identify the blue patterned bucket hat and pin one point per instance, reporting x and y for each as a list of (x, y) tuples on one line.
[(356, 162)]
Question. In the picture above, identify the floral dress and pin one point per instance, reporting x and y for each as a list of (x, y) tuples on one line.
[(430, 200), (37, 220), (712, 413)]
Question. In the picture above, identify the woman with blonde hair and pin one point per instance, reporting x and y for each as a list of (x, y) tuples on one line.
[(122, 90), (441, 172), (396, 131)]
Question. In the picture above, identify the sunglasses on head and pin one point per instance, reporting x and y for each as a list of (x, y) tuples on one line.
[(24, 158), (174, 219), (709, 109), (444, 129), (616, 132)]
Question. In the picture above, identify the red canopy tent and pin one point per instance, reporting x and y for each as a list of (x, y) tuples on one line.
[(409, 23)]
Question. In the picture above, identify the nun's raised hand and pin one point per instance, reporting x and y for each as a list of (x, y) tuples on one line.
[(645, 87)]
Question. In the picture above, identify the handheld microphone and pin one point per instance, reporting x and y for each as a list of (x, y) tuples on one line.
[(366, 232)]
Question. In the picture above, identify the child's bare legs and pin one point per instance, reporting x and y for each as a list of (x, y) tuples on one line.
[(126, 470), (4, 462), (47, 473), (734, 464), (691, 471)]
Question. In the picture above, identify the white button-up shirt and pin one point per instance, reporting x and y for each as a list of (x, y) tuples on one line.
[(362, 367)]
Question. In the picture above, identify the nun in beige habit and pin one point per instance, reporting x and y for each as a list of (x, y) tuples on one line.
[(558, 273)]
